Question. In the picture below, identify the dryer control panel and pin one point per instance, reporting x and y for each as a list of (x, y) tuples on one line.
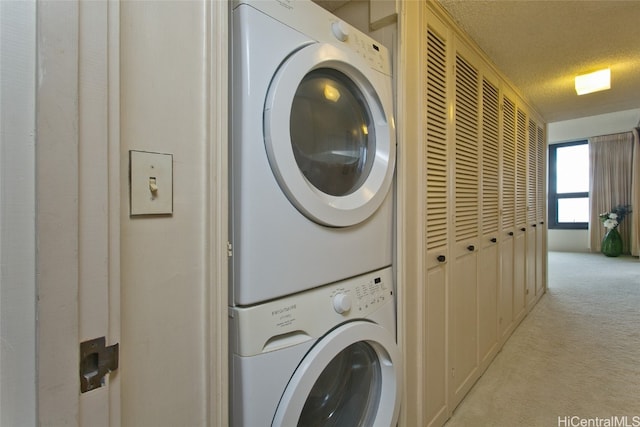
[(312, 20), (307, 316), (371, 51)]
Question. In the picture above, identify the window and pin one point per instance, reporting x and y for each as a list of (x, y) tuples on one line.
[(569, 185)]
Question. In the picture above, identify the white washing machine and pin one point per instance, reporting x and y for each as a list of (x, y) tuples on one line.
[(325, 357), (312, 150)]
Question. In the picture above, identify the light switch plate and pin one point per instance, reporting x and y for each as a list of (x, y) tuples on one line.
[(151, 183)]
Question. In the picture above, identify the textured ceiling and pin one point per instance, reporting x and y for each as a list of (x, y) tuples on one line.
[(542, 45)]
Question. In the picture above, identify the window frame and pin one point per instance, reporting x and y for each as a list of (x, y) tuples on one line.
[(553, 194)]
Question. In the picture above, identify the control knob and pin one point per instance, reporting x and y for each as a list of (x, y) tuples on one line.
[(342, 303), (340, 30)]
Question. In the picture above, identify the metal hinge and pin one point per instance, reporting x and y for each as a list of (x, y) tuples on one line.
[(229, 249), (96, 361)]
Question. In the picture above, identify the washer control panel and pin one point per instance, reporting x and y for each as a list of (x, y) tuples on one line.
[(308, 315), (361, 296)]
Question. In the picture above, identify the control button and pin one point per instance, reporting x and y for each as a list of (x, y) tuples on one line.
[(342, 303), (340, 30)]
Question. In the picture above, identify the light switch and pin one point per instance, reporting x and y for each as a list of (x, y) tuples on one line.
[(151, 186)]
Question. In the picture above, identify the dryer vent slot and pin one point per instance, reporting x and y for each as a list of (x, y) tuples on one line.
[(285, 340)]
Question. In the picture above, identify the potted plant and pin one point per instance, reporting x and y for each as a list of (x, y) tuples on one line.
[(612, 242)]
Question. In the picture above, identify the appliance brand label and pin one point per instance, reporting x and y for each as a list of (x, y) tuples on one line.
[(283, 310), (284, 316), (286, 4)]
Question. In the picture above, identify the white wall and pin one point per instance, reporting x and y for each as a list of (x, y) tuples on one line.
[(580, 129), (568, 240), (17, 215), (585, 127), (164, 259)]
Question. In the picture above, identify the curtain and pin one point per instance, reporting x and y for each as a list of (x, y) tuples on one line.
[(610, 169), (635, 196)]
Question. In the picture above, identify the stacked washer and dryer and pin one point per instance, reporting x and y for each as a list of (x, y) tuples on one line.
[(312, 310)]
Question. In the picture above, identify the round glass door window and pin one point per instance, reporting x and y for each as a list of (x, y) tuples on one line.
[(347, 392), (328, 134), (332, 136)]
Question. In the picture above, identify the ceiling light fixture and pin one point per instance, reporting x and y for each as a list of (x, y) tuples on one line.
[(593, 82)]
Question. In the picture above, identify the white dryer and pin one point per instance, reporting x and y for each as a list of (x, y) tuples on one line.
[(325, 357), (312, 150)]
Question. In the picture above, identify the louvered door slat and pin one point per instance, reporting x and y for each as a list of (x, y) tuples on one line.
[(490, 152), (466, 149), (436, 142), (541, 174), (532, 160), (521, 168), (508, 163)]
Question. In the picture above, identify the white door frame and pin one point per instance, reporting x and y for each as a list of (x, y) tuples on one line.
[(78, 204)]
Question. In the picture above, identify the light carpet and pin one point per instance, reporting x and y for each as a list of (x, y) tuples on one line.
[(575, 359)]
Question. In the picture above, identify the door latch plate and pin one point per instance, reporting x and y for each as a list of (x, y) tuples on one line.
[(96, 361)]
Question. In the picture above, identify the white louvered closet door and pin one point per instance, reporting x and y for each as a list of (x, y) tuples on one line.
[(508, 220), (436, 132), (541, 231), (463, 302), (532, 160), (519, 243), (473, 188), (490, 203)]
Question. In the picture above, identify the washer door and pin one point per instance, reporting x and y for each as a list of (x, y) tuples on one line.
[(329, 135), (351, 377)]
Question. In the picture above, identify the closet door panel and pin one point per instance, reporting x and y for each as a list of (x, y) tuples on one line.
[(463, 341), (541, 208), (506, 313), (520, 242), (532, 225), (519, 286), (463, 301), (488, 277), (487, 304), (507, 214), (436, 130), (435, 380)]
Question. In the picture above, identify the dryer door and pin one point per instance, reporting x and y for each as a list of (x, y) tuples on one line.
[(351, 377), (329, 134)]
